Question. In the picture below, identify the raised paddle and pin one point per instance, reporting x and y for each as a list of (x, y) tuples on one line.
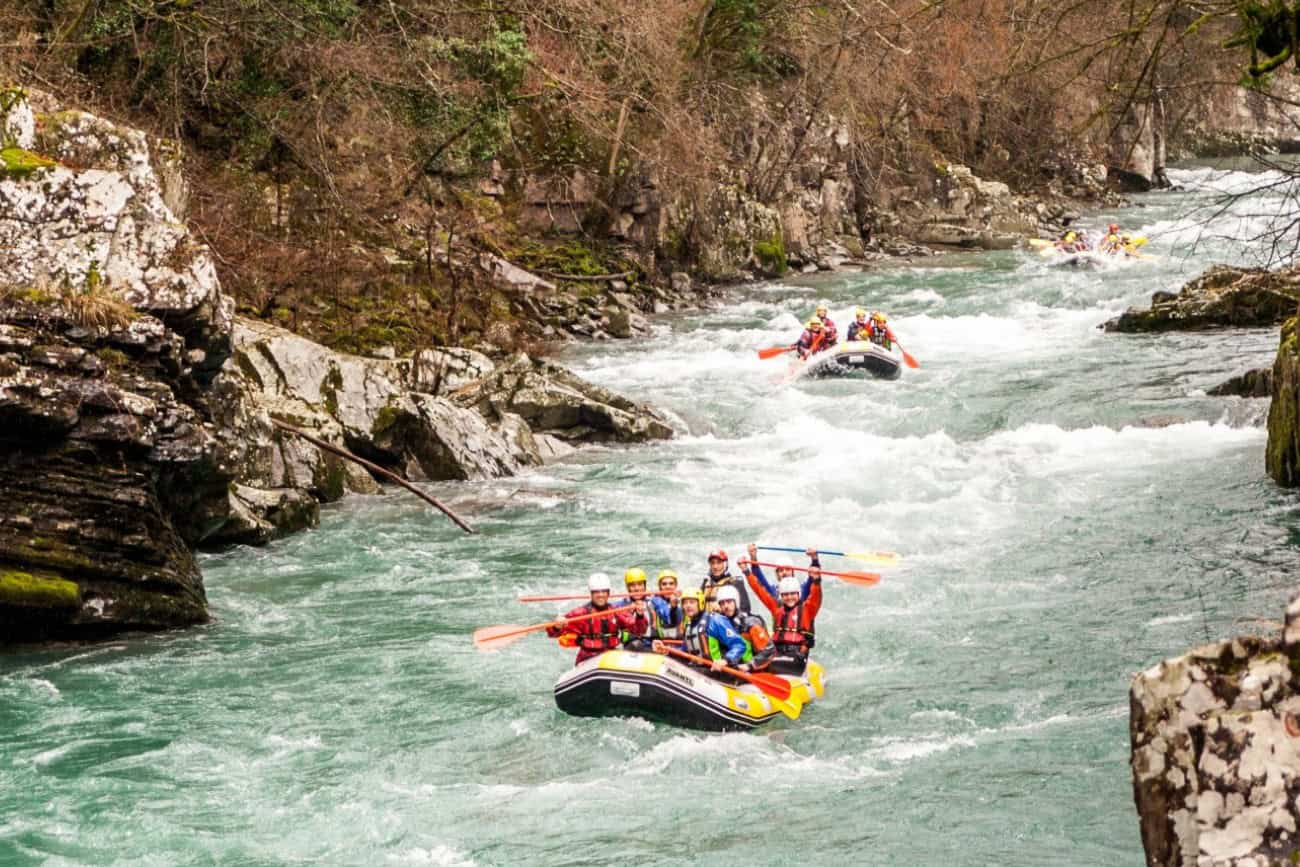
[(866, 579), (773, 351), (775, 688), (884, 558), (496, 637)]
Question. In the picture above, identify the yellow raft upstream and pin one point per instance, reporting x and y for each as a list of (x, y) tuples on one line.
[(624, 683)]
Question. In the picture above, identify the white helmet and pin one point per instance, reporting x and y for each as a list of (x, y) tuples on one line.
[(725, 594), (789, 584), (598, 581)]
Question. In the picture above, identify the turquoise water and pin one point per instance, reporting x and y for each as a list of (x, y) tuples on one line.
[(1054, 543)]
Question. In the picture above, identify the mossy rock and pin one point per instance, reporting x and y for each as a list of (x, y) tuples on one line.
[(18, 164), (26, 590), (771, 255)]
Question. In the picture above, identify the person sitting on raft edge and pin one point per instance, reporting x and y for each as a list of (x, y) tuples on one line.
[(813, 339), (759, 648), (828, 324), (668, 607), (707, 634), (596, 635), (858, 328), (720, 576)]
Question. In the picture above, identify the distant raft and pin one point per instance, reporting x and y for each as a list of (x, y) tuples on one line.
[(623, 683), (858, 356)]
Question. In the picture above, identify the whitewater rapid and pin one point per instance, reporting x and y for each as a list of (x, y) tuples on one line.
[(1070, 507)]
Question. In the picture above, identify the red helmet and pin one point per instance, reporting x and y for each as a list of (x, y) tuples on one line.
[(1113, 227), (717, 554)]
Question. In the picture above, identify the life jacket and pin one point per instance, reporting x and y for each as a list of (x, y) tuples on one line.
[(696, 638), (609, 635), (788, 627), (879, 335)]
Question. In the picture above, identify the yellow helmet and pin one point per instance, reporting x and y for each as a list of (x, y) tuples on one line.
[(1070, 236), (697, 595), (821, 309), (634, 575), (878, 316), (860, 313), (667, 573), (814, 324)]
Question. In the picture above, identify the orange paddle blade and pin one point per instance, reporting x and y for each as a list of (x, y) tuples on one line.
[(866, 579), (497, 637), (777, 687), (774, 351), (909, 360)]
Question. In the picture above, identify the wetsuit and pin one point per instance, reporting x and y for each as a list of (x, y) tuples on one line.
[(858, 331), (828, 328), (811, 342), (792, 628), (713, 636)]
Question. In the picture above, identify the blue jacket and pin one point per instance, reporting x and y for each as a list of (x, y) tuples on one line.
[(771, 588), (669, 617), (718, 633)]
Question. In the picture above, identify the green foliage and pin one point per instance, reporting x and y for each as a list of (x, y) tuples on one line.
[(1270, 29), (744, 36)]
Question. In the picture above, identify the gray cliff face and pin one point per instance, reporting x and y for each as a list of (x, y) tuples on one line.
[(1216, 753), (136, 410)]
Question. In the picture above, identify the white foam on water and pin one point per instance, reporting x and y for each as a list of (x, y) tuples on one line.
[(440, 856)]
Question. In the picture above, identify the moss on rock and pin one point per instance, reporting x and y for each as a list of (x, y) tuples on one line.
[(18, 164), (1282, 454), (27, 590)]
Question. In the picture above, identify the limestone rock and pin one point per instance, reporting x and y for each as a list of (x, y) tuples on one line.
[(106, 222), (1222, 297), (552, 400), (1216, 755)]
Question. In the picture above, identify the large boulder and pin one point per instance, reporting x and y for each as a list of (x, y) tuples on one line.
[(1222, 297), (1282, 455), (963, 210), (556, 402), (1216, 753), (387, 411), (97, 215), (102, 463)]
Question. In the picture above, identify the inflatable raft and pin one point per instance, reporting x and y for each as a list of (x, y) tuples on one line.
[(623, 683), (860, 356)]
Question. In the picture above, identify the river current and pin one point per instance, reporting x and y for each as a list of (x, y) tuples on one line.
[(1070, 506)]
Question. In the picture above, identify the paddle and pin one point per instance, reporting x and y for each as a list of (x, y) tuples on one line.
[(588, 596), (496, 637), (775, 688), (884, 558), (866, 579), (907, 356), (773, 351)]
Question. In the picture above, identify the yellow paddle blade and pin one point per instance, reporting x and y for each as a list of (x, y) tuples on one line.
[(1040, 242), (883, 558), (1138, 241), (790, 707)]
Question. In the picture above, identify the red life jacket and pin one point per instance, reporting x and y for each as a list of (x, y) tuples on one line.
[(603, 632), (788, 627)]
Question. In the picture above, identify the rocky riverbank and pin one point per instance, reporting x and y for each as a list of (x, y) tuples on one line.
[(1216, 752), (135, 409)]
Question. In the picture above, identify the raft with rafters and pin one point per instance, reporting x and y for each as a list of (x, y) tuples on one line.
[(854, 357), (655, 687)]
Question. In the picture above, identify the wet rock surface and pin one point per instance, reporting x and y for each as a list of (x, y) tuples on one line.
[(1222, 297), (1216, 752), (1252, 383), (1282, 454)]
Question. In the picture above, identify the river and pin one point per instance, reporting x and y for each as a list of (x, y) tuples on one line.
[(1070, 506)]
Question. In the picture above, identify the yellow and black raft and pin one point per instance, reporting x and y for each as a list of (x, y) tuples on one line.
[(624, 683)]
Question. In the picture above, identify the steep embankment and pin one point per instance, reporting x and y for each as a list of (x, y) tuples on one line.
[(135, 410)]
